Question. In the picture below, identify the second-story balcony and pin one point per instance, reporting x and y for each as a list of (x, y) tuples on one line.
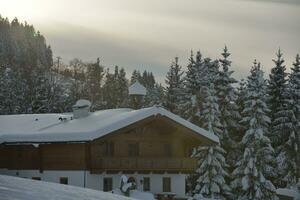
[(143, 164)]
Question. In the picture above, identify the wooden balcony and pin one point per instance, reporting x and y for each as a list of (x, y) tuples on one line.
[(144, 164)]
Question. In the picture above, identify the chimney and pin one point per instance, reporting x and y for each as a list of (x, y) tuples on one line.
[(137, 92), (81, 108)]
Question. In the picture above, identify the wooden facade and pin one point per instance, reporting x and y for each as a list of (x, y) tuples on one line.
[(155, 144)]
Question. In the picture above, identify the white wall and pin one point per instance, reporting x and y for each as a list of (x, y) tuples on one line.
[(95, 181)]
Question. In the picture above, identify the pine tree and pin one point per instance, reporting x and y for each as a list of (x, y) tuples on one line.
[(174, 88), (154, 96), (115, 89), (194, 87), (211, 161), (276, 92), (40, 93), (289, 152), (122, 89), (256, 163), (12, 91), (280, 116), (78, 82), (94, 80), (294, 86), (229, 113), (136, 75), (109, 86)]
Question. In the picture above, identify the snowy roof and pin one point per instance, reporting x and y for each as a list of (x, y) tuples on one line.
[(137, 89), (14, 188), (38, 128), (82, 103)]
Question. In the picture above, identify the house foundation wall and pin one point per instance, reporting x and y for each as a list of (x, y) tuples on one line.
[(83, 178)]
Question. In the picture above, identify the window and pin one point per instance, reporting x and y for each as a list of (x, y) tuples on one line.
[(133, 149), (107, 184), (63, 180), (146, 184), (166, 184), (36, 178), (167, 150), (109, 148)]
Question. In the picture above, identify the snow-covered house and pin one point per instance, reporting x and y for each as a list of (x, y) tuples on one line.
[(151, 146)]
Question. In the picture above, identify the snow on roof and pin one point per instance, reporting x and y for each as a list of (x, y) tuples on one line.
[(82, 103), (14, 188), (38, 128), (137, 89)]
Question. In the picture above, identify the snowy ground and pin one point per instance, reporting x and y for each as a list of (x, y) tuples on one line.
[(13, 188)]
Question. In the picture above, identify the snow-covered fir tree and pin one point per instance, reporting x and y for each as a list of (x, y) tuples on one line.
[(294, 86), (289, 150), (212, 165), (229, 113), (12, 91), (115, 89), (280, 116), (122, 88), (241, 93), (94, 76), (194, 87), (174, 87), (255, 166), (136, 75), (77, 89), (277, 90), (154, 96)]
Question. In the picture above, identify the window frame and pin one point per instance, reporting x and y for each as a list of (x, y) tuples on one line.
[(64, 180), (167, 184), (109, 187), (148, 185)]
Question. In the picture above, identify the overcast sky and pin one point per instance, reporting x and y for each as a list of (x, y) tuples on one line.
[(148, 34)]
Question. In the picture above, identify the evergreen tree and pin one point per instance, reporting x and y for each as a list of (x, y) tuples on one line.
[(280, 116), (136, 75), (26, 53), (109, 86), (94, 80), (174, 88), (229, 113), (40, 93), (294, 86), (12, 91), (256, 163), (211, 161), (196, 71), (115, 89), (241, 93), (289, 151), (122, 89), (276, 92), (78, 82), (154, 96), (147, 80)]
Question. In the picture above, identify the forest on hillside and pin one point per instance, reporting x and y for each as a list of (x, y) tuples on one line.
[(258, 121)]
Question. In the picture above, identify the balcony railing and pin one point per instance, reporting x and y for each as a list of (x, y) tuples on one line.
[(144, 164)]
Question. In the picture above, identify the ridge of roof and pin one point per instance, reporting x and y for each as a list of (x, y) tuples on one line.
[(49, 129)]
